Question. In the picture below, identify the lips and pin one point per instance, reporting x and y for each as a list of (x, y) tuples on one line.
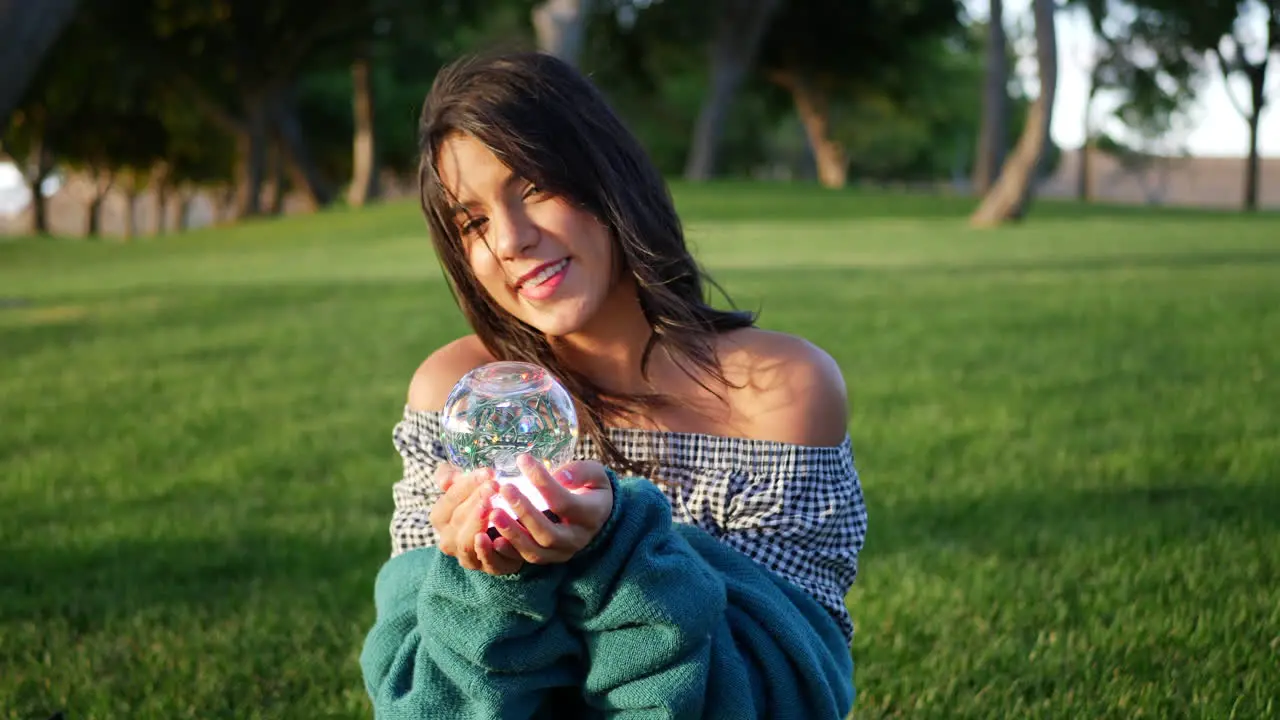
[(541, 274)]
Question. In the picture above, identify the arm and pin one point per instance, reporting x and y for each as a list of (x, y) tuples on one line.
[(675, 623), (446, 641), (450, 642), (417, 439)]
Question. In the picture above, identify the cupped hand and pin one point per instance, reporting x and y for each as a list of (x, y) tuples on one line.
[(461, 518), (579, 494)]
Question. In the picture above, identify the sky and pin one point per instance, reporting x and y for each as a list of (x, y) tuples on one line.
[(1214, 126)]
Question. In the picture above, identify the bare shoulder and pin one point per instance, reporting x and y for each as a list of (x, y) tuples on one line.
[(436, 376), (790, 390)]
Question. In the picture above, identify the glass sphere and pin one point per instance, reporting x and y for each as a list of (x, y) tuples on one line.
[(501, 410)]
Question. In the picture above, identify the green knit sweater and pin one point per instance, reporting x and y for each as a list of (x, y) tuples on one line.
[(652, 620)]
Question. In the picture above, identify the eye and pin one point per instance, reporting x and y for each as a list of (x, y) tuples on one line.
[(532, 191), (473, 225)]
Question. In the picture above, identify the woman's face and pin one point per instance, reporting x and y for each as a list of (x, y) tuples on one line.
[(541, 259)]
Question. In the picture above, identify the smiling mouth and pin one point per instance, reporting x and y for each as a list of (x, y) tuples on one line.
[(542, 275)]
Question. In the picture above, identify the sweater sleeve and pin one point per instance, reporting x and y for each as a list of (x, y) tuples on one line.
[(452, 643), (678, 624)]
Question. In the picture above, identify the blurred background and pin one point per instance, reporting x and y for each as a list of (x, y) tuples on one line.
[(1040, 238), (129, 117)]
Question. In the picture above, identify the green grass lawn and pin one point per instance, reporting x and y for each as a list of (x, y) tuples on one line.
[(1068, 433)]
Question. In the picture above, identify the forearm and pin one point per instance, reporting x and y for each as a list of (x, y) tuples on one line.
[(449, 642)]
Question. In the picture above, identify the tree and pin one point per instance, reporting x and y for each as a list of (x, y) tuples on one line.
[(1223, 30), (994, 130), (739, 26), (1009, 197), (560, 26), (1233, 60), (240, 62), (1139, 60), (68, 116), (27, 32), (828, 53)]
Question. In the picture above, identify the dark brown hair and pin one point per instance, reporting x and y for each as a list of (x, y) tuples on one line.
[(552, 127)]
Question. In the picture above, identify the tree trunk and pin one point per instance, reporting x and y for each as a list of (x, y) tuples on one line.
[(1252, 167), (160, 173), (251, 150), (1084, 183), (1257, 87), (814, 111), (364, 176), (39, 165), (993, 134), (91, 217), (28, 29), (183, 220), (740, 27), (102, 182), (560, 26), (303, 170), (1009, 197), (131, 213), (161, 215)]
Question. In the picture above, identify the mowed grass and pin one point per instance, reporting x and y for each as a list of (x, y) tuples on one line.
[(1068, 434)]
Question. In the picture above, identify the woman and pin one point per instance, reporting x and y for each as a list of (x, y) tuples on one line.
[(711, 524)]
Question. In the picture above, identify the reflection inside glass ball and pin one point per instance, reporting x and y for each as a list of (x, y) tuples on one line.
[(502, 410)]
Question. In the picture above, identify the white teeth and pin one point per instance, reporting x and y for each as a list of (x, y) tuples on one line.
[(546, 274)]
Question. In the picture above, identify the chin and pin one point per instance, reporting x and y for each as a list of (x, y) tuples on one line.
[(564, 318), (556, 327)]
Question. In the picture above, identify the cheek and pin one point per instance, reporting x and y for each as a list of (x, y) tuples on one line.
[(487, 270)]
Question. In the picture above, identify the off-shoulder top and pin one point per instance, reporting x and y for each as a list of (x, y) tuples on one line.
[(796, 509)]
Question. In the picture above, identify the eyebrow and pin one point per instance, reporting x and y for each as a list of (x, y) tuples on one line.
[(460, 208)]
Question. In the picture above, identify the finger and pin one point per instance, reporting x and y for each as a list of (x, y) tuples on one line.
[(460, 488), (445, 476), (503, 547), (490, 561), (556, 495), (519, 539), (539, 526), (467, 557), (581, 475), (445, 506)]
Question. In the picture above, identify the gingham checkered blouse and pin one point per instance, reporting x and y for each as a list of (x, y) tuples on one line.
[(798, 510)]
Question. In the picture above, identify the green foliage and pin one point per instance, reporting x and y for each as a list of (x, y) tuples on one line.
[(653, 66), (1065, 433), (1143, 60)]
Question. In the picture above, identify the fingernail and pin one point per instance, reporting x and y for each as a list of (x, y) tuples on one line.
[(566, 478), (500, 519)]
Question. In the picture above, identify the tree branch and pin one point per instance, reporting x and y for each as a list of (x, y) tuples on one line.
[(1226, 75)]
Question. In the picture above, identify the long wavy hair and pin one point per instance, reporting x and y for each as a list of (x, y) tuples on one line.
[(551, 126)]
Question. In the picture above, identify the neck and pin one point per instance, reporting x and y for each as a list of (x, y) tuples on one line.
[(609, 349)]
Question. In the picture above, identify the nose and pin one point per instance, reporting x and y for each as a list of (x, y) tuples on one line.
[(514, 233)]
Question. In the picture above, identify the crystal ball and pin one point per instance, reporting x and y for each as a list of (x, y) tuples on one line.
[(501, 410)]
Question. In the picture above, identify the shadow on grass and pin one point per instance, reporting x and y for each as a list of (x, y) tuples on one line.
[(1024, 525), (86, 587), (19, 341)]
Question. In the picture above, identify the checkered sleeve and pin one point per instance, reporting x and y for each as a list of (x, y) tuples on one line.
[(797, 510), (417, 439)]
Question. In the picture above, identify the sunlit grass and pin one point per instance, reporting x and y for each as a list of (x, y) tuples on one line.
[(1067, 431)]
